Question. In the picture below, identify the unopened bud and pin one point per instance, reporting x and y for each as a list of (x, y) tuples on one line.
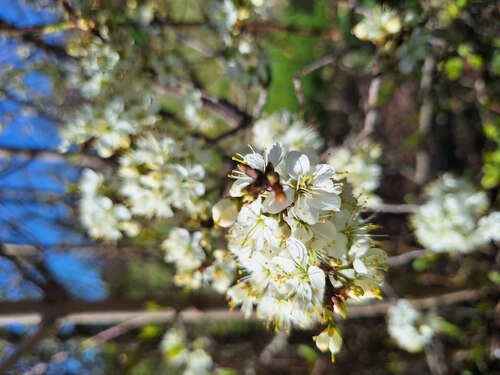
[(224, 212)]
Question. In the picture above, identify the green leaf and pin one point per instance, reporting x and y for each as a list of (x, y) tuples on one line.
[(494, 276), (414, 140), (226, 371), (423, 263), (475, 61), (452, 330), (454, 67), (308, 353)]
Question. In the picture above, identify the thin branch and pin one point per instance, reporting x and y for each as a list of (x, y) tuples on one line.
[(25, 271), (373, 111), (393, 208), (380, 308), (41, 367), (45, 326), (423, 159), (16, 168), (318, 64), (277, 344), (435, 358), (267, 27), (220, 108), (12, 31), (405, 258)]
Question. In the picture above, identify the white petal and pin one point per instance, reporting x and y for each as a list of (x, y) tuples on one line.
[(323, 341), (323, 172), (272, 206), (304, 290), (359, 266), (324, 232), (197, 172), (286, 264), (335, 342), (306, 212), (274, 154), (317, 277), (256, 161), (297, 164), (239, 185), (326, 201), (297, 250)]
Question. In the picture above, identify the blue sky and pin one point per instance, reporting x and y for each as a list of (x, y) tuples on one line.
[(34, 206)]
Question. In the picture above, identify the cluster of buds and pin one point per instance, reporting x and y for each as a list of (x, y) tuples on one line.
[(299, 241)]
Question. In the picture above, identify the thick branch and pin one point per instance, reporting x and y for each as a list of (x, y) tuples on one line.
[(53, 156), (192, 308)]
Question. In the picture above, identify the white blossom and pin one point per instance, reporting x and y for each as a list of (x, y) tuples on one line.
[(379, 22), (358, 165), (99, 215), (448, 220), (292, 132), (411, 329)]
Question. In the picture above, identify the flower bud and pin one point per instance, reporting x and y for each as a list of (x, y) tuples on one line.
[(224, 212)]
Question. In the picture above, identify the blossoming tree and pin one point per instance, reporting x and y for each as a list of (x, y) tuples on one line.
[(273, 156)]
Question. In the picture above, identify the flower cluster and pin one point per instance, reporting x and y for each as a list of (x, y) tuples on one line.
[(299, 240), (99, 215), (151, 184), (154, 183), (224, 15), (378, 24), (108, 119), (190, 358), (411, 329), (292, 132), (448, 221), (193, 266), (363, 171)]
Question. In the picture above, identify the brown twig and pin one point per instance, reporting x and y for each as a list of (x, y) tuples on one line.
[(12, 31), (318, 64), (220, 108)]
